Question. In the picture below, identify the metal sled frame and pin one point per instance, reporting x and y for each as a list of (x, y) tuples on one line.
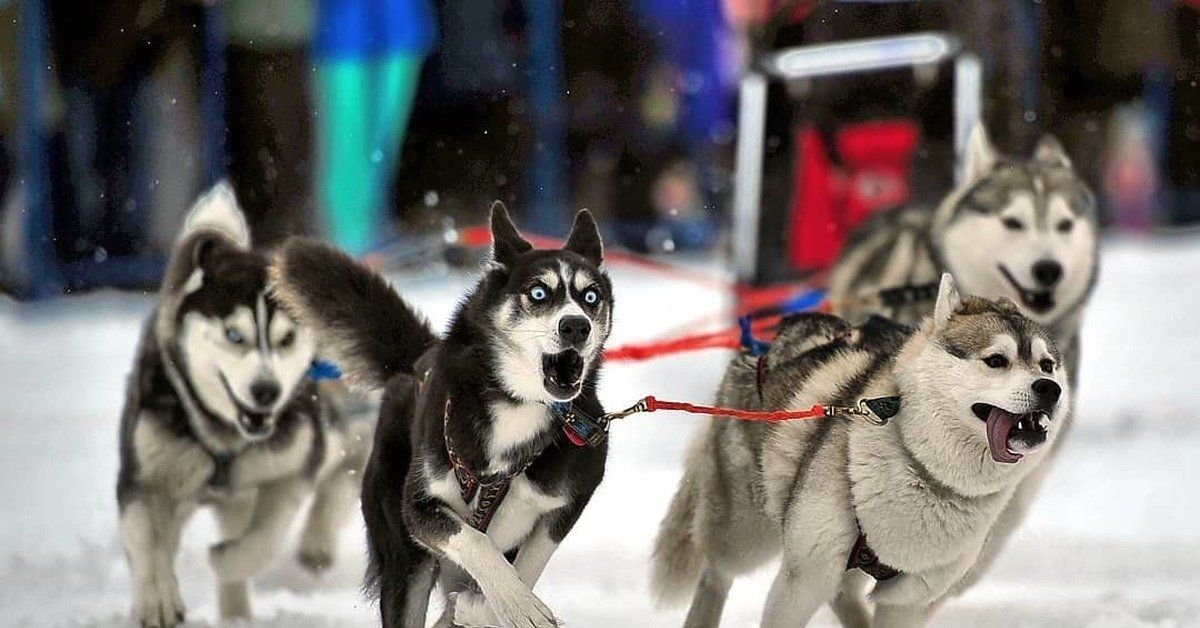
[(851, 57)]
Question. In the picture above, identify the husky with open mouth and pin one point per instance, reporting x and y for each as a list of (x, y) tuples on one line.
[(1025, 230), (977, 397), (219, 412), (476, 475)]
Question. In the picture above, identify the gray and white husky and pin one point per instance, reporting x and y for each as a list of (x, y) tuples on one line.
[(1025, 230), (219, 412), (981, 392)]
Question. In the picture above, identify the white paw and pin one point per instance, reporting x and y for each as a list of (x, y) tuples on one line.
[(158, 606), (520, 608), (471, 610)]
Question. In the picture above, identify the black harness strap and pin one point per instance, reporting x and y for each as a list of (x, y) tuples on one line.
[(492, 493), (907, 295), (864, 558)]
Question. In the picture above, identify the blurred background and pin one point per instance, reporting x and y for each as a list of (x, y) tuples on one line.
[(389, 126)]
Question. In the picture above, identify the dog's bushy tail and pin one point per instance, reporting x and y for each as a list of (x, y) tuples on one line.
[(677, 562), (360, 322)]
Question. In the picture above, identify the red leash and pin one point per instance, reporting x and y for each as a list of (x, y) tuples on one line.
[(817, 411), (876, 411)]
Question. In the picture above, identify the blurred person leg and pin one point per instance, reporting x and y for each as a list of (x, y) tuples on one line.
[(369, 54), (270, 116)]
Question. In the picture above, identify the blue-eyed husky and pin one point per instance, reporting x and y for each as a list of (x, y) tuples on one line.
[(219, 412), (475, 476)]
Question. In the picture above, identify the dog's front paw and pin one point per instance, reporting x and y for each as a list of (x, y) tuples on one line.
[(316, 551), (521, 609), (158, 606), (471, 610)]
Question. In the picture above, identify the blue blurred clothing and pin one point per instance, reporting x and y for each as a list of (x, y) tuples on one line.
[(355, 29)]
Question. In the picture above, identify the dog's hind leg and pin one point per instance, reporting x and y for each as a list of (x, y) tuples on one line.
[(330, 509), (850, 605), (709, 600), (404, 597), (799, 589), (233, 517), (244, 557)]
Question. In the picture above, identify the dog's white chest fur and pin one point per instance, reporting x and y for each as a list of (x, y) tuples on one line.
[(512, 425), (515, 517)]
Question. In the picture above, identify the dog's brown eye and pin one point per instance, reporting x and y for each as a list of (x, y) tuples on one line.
[(1065, 226), (287, 339), (996, 361), (1012, 224), (1047, 365)]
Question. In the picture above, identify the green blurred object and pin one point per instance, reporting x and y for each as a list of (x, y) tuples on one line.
[(269, 24), (363, 107)]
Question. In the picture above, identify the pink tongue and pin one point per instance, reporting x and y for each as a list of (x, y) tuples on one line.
[(999, 424)]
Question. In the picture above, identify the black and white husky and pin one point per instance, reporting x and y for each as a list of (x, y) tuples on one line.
[(981, 394), (219, 412), (472, 481)]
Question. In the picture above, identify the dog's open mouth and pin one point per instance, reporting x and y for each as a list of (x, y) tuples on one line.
[(1005, 429), (562, 374), (1040, 301), (254, 424)]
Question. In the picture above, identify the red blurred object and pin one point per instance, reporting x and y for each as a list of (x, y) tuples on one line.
[(832, 197)]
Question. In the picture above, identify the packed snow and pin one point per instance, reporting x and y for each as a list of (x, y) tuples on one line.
[(1113, 541)]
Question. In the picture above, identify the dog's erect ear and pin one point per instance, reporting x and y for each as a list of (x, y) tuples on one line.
[(1051, 153), (214, 223), (507, 243), (585, 238), (980, 157), (218, 210), (947, 301)]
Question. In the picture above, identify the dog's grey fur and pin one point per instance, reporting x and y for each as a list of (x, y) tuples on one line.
[(219, 412), (924, 488), (970, 235)]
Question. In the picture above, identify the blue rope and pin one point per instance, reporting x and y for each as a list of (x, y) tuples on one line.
[(802, 302), (752, 345)]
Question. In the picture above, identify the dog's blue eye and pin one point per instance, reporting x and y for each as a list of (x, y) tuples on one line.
[(234, 336), (591, 297), (539, 293)]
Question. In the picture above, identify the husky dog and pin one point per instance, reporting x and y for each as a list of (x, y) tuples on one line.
[(219, 412), (473, 480), (980, 393), (1025, 230)]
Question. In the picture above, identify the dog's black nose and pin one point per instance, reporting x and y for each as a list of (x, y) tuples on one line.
[(264, 392), (574, 329), (1047, 272), (1047, 391)]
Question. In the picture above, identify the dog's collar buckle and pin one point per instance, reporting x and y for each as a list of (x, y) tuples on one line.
[(876, 411)]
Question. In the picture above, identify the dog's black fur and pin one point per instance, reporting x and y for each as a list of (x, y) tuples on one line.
[(383, 341)]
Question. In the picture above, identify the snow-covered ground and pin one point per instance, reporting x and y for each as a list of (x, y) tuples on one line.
[(1113, 541)]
